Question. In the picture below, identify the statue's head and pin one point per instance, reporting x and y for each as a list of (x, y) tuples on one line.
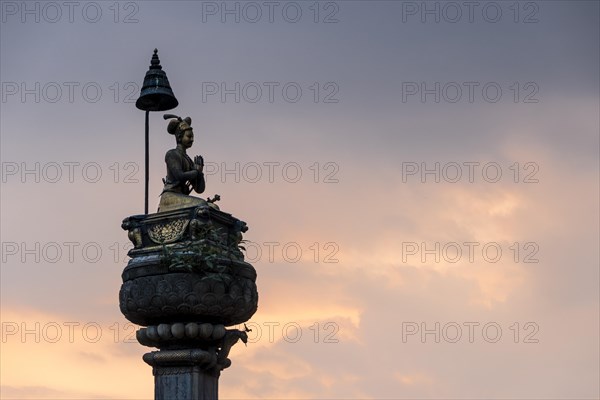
[(182, 129)]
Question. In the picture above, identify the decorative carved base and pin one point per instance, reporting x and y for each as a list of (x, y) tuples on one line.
[(187, 266), (186, 281)]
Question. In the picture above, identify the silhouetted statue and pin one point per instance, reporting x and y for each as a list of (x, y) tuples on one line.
[(183, 174)]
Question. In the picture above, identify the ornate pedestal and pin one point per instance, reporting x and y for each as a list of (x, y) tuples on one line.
[(187, 280)]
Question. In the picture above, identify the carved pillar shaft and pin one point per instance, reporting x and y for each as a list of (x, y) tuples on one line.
[(191, 358), (194, 384), (184, 374)]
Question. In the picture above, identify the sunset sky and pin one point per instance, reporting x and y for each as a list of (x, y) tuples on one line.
[(420, 180)]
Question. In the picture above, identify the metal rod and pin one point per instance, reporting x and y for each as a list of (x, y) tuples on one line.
[(147, 162)]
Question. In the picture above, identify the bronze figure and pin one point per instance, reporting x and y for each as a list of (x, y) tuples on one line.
[(183, 174)]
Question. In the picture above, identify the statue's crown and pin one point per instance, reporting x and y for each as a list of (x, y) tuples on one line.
[(177, 124)]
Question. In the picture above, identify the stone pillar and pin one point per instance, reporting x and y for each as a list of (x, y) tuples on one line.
[(186, 280), (191, 358)]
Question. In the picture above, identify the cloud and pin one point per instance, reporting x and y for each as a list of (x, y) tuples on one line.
[(368, 309)]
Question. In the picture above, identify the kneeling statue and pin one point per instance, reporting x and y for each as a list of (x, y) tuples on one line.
[(183, 174)]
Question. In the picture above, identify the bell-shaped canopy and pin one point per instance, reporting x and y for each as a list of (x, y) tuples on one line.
[(156, 93)]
